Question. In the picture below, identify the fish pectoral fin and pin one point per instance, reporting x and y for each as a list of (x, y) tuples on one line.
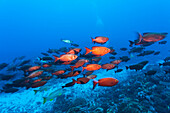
[(45, 100)]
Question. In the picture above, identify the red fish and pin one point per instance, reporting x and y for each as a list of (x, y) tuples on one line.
[(151, 37), (100, 39), (98, 51), (60, 72), (116, 62), (97, 59), (82, 80), (80, 63), (38, 84), (37, 80), (46, 65), (66, 57), (92, 76), (72, 73), (108, 66), (91, 67), (88, 73), (34, 68), (35, 74), (105, 82)]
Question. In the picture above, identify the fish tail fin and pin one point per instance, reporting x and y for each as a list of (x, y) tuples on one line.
[(35, 91), (131, 43), (56, 58), (127, 67), (83, 68), (140, 38), (87, 50), (74, 81), (45, 100), (72, 68), (94, 83), (93, 40)]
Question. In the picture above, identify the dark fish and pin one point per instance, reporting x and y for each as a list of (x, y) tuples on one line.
[(24, 62), (157, 53), (167, 59), (138, 66), (12, 68), (46, 58), (165, 64), (146, 53), (113, 53), (21, 58), (75, 45), (124, 58), (112, 57), (147, 44), (136, 50), (123, 49), (3, 65), (7, 77), (25, 67), (88, 73), (135, 67), (69, 84), (15, 59), (151, 72), (163, 42), (118, 70), (45, 54), (10, 90)]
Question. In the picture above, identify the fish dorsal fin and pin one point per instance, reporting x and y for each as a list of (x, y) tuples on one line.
[(62, 55)]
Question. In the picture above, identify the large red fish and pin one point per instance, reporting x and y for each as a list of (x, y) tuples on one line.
[(98, 51), (66, 57), (100, 39), (105, 82), (151, 37), (91, 67)]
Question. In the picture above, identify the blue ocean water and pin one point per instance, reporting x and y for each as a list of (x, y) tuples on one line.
[(29, 27)]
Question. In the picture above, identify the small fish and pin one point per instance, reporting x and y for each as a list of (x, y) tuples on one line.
[(100, 39), (167, 59), (41, 89), (91, 67), (67, 41), (59, 72), (38, 84), (82, 80), (35, 74), (118, 70), (88, 73), (116, 62), (105, 82), (54, 94), (96, 59), (72, 73), (65, 57), (123, 49), (98, 51), (34, 68), (45, 54), (163, 42), (151, 72), (92, 76), (75, 45), (165, 64), (80, 63), (46, 65), (157, 53), (108, 66), (69, 84)]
